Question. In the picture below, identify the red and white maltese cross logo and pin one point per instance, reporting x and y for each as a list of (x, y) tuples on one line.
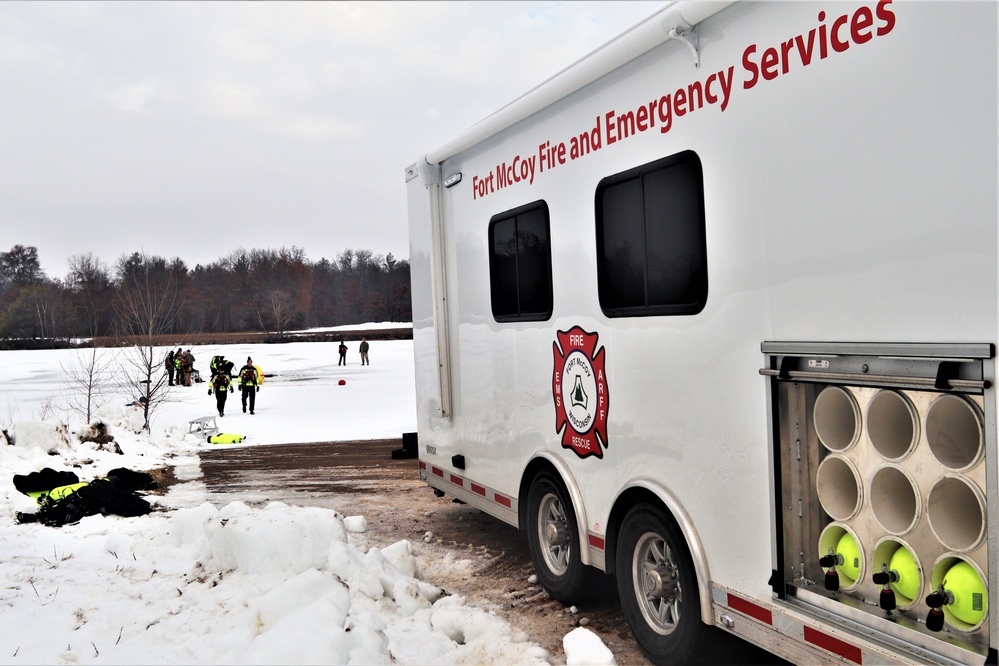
[(579, 389)]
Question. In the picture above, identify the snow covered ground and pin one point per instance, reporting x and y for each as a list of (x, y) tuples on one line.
[(194, 583)]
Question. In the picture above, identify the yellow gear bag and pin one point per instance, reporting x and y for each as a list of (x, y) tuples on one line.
[(226, 438)]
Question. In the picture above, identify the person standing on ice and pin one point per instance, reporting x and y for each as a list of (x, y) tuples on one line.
[(363, 348), (178, 361), (171, 366), (343, 354), (249, 384), (220, 384), (187, 366)]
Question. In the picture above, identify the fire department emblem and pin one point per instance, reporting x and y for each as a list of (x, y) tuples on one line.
[(579, 388)]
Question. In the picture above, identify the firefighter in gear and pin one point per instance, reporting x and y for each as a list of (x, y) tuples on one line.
[(171, 366), (216, 364), (249, 384), (178, 361), (220, 384), (220, 364)]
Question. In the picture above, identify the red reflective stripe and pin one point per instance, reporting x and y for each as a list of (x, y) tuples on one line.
[(596, 542), (476, 488), (752, 610), (423, 465), (834, 645)]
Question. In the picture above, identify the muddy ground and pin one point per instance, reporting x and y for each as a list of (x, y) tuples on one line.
[(493, 561)]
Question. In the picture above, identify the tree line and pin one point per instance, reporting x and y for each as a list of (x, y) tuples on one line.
[(247, 290)]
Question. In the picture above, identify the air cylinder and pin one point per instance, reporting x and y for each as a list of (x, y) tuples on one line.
[(894, 555), (967, 592), (838, 539)]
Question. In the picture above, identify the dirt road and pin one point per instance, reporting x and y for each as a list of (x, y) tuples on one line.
[(361, 478)]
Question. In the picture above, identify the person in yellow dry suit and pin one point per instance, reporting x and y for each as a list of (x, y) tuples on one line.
[(249, 384), (220, 385)]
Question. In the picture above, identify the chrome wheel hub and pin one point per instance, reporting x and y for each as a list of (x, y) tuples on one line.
[(553, 532), (657, 583)]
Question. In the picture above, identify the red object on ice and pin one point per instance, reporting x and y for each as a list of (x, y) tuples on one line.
[(342, 382)]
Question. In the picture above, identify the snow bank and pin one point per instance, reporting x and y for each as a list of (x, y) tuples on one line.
[(196, 583)]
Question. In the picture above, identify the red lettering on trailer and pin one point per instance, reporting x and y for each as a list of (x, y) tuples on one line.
[(749, 608), (521, 169), (505, 501), (761, 63), (550, 155), (597, 542), (862, 20), (482, 186), (834, 645), (845, 30), (478, 490)]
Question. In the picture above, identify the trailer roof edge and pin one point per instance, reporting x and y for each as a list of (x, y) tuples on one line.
[(681, 15)]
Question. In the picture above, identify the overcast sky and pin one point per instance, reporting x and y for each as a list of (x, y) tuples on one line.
[(191, 129)]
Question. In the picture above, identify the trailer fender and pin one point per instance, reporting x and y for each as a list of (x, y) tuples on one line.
[(539, 461), (647, 486)]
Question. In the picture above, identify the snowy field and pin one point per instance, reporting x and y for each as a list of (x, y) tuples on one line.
[(193, 583)]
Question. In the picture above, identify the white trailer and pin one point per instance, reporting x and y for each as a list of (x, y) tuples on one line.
[(715, 310)]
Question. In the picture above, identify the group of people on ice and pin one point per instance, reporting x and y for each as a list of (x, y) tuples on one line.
[(221, 383), (180, 365), (180, 371), (362, 348)]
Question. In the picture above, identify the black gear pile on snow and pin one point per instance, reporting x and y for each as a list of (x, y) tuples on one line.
[(115, 494), (131, 480), (47, 479)]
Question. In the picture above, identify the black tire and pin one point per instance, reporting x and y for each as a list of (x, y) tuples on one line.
[(657, 585), (554, 540)]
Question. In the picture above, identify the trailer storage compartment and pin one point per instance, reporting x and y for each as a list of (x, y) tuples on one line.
[(880, 456)]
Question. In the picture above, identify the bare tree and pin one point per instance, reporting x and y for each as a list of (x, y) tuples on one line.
[(278, 307), (88, 377), (147, 305), (90, 290)]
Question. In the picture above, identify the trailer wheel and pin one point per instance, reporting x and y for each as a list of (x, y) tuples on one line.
[(658, 587), (554, 540)]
